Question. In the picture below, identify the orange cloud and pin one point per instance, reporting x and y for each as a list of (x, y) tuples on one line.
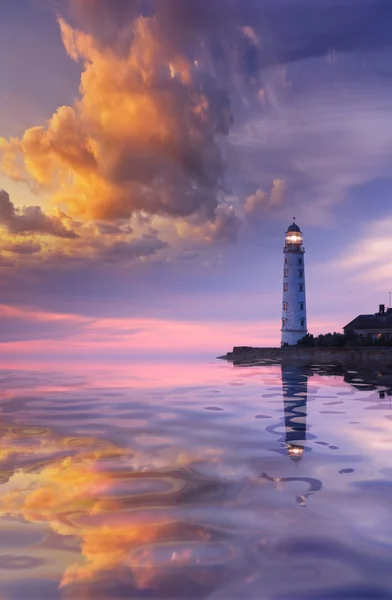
[(32, 220), (144, 134), (50, 153), (32, 237)]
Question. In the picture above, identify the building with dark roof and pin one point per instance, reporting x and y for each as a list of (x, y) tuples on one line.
[(375, 325)]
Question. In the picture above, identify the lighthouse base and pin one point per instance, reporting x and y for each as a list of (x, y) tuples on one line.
[(290, 337)]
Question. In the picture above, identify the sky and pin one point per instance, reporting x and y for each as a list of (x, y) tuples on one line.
[(154, 152)]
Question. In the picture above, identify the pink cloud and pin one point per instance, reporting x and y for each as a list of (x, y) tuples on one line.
[(51, 334), (78, 335), (31, 314), (149, 336)]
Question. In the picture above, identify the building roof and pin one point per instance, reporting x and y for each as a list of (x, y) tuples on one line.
[(372, 322), (294, 227)]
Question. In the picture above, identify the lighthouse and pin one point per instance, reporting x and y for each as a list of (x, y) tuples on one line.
[(294, 303)]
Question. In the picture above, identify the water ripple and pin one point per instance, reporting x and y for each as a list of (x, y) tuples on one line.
[(114, 486)]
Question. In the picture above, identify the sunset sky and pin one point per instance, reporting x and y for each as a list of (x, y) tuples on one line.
[(153, 153)]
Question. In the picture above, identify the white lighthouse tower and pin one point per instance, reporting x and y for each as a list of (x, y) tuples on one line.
[(294, 302)]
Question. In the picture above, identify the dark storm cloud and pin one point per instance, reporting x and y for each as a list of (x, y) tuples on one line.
[(30, 219)]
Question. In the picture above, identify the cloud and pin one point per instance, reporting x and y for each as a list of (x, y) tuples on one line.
[(5, 262), (322, 143), (250, 33), (151, 131), (29, 247), (344, 26), (288, 32), (25, 324), (369, 259), (188, 255), (147, 245), (113, 228), (257, 204), (30, 219), (145, 134), (48, 152), (94, 242), (225, 226), (104, 19), (43, 333)]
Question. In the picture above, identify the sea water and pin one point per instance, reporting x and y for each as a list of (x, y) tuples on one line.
[(195, 480)]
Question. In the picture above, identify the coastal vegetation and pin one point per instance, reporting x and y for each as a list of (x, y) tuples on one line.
[(340, 340)]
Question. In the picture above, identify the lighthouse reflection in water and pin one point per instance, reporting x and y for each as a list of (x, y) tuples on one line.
[(295, 397)]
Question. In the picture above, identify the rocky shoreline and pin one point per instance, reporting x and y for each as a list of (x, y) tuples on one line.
[(379, 355)]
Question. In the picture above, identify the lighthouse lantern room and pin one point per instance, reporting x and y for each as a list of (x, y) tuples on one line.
[(294, 325)]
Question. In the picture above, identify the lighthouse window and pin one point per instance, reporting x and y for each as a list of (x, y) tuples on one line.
[(286, 272), (285, 287), (300, 261), (283, 322), (301, 287), (302, 322), (285, 261), (301, 273), (284, 305), (301, 306)]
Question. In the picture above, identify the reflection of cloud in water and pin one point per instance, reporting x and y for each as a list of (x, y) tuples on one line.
[(122, 509), (151, 521)]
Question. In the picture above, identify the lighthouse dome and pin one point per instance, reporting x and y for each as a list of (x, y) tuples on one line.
[(294, 227)]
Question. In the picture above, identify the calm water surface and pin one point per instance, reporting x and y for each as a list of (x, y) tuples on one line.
[(195, 481)]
